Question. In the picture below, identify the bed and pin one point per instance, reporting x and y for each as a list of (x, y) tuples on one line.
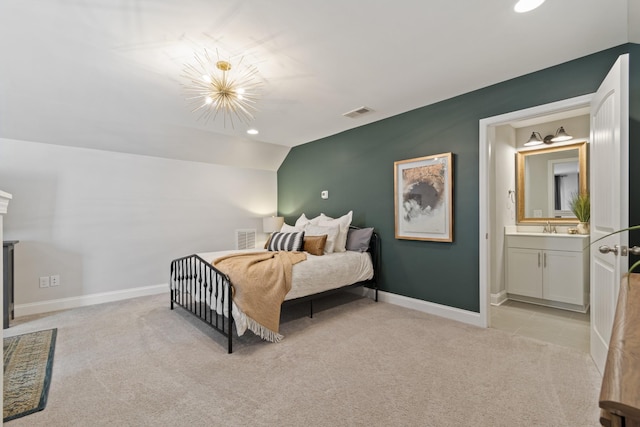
[(203, 290)]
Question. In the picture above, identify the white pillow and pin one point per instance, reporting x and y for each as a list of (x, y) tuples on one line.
[(303, 220), (343, 223), (286, 228), (332, 233)]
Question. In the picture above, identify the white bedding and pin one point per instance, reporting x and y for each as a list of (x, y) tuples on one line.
[(316, 274)]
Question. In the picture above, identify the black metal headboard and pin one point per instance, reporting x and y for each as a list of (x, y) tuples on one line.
[(374, 250)]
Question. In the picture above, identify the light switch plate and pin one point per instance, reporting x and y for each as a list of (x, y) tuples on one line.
[(44, 282)]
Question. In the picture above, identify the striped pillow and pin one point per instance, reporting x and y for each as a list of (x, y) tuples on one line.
[(286, 241)]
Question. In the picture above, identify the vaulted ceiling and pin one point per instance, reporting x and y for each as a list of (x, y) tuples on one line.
[(107, 73)]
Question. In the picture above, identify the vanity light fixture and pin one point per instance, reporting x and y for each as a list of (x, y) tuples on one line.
[(537, 139), (561, 135)]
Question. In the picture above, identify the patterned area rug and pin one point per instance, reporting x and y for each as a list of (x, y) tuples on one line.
[(28, 360)]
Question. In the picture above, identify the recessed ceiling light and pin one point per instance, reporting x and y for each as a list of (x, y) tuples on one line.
[(527, 5), (252, 131)]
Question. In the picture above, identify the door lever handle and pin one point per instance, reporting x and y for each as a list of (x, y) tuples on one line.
[(604, 249)]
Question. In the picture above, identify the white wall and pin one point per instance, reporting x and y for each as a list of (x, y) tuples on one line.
[(107, 221)]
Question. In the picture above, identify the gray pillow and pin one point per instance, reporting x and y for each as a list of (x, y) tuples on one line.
[(358, 239)]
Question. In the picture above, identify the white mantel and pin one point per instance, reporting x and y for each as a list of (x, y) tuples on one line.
[(4, 205)]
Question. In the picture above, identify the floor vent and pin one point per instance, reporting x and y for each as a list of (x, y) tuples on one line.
[(357, 112), (246, 239)]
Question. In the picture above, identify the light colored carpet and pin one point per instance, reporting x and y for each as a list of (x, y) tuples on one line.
[(356, 363)]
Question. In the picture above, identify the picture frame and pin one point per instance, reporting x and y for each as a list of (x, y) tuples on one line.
[(423, 198)]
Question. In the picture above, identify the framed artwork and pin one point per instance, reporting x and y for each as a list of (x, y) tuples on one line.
[(423, 192)]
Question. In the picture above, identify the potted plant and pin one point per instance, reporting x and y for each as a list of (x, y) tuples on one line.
[(581, 208)]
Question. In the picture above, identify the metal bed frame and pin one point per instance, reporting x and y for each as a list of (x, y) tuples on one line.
[(191, 275)]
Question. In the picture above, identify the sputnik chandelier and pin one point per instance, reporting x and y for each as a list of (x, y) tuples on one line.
[(216, 86)]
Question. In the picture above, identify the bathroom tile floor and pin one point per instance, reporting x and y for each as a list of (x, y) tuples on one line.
[(562, 327)]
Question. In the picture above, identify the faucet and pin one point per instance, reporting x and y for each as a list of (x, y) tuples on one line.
[(548, 228)]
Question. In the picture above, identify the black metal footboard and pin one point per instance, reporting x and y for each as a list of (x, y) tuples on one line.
[(201, 289)]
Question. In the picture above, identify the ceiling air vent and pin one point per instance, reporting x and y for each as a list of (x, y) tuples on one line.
[(358, 112)]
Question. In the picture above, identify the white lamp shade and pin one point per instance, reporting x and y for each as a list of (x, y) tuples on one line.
[(272, 223), (561, 135)]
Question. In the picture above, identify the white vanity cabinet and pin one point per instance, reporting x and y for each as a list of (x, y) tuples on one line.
[(548, 269)]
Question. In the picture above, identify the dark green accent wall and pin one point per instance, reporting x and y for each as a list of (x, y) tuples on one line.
[(356, 167)]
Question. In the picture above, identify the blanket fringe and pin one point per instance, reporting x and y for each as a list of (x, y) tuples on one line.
[(262, 332)]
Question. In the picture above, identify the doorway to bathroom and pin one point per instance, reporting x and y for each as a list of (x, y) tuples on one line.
[(608, 189), (507, 137)]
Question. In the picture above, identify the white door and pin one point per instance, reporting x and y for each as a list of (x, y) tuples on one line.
[(609, 183)]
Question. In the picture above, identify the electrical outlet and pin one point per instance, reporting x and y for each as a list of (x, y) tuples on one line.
[(45, 282), (55, 280)]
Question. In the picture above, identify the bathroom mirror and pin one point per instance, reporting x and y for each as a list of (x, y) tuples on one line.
[(546, 181)]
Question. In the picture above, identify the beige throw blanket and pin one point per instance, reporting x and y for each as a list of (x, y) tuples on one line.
[(260, 281)]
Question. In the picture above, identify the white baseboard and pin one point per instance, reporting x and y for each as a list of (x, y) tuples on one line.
[(84, 300), (452, 313), (499, 298), (447, 312)]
